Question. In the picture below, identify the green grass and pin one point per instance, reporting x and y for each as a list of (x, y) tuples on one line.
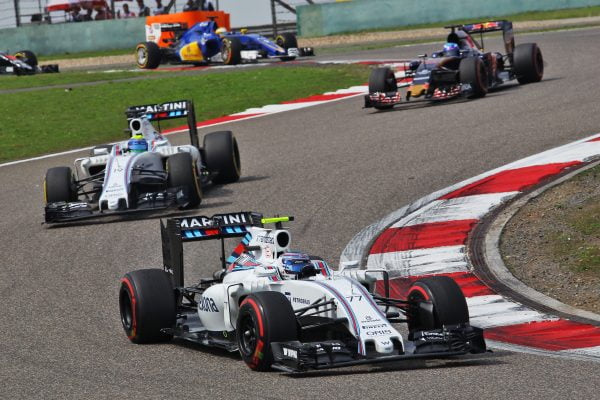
[(99, 53), (64, 78), (579, 247), (51, 120)]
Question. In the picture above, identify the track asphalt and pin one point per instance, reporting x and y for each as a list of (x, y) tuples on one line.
[(336, 168)]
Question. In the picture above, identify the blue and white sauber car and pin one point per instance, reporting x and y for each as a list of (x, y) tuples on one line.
[(143, 173), (287, 310)]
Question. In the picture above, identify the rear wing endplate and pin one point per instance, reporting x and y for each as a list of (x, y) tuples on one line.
[(168, 110), (177, 231)]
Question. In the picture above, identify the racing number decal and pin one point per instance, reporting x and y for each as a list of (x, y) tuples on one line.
[(354, 298)]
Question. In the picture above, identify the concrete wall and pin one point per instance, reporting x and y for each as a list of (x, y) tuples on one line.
[(74, 37), (357, 15)]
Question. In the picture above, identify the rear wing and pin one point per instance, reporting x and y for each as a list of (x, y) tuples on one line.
[(191, 229), (168, 110), (504, 26)]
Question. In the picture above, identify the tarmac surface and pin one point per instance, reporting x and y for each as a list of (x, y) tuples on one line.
[(336, 168)]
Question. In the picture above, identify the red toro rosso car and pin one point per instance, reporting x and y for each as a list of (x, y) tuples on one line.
[(462, 68)]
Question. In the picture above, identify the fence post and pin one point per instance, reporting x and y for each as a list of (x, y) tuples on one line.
[(17, 13), (274, 18)]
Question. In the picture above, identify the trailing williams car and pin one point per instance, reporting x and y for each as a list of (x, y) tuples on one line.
[(23, 62), (462, 68), (144, 173), (287, 310)]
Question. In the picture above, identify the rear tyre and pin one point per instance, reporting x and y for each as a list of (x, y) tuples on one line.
[(436, 301), (182, 173), (223, 156), (382, 80), (231, 51), (528, 63), (472, 71), (28, 57), (147, 305), (59, 185), (147, 55), (287, 41), (264, 318)]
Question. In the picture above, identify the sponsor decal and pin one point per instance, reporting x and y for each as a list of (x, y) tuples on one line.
[(374, 326), (368, 318), (207, 304), (290, 353), (265, 239), (300, 300), (379, 332)]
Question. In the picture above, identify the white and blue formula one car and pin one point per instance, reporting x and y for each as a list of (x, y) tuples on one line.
[(287, 310), (143, 173)]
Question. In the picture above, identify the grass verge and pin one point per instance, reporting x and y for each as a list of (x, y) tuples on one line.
[(9, 82), (579, 245), (45, 121)]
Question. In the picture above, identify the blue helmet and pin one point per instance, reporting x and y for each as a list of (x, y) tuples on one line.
[(451, 50), (294, 263), (137, 144)]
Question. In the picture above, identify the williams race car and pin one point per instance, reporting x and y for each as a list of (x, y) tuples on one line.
[(204, 43), (144, 173), (287, 310), (462, 68), (23, 62)]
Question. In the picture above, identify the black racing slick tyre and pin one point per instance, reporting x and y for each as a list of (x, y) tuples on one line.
[(472, 71), (264, 318), (28, 57), (287, 41), (231, 51), (528, 63), (147, 55), (382, 80), (222, 156), (435, 302), (147, 305), (182, 173), (59, 185)]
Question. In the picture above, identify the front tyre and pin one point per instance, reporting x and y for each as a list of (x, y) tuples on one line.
[(435, 302), (382, 80), (28, 57), (182, 173), (147, 305), (287, 41), (528, 63), (472, 71), (231, 51), (147, 55), (222, 156), (59, 185), (264, 318)]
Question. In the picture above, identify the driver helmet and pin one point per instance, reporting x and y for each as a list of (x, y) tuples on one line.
[(294, 263), (221, 31), (451, 50), (137, 144)]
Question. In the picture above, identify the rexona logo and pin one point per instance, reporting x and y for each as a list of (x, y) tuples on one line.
[(290, 353), (207, 304)]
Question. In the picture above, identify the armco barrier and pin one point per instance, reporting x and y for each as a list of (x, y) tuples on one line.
[(356, 15), (74, 37)]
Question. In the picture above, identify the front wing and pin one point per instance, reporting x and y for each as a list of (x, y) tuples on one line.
[(60, 212), (453, 341)]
